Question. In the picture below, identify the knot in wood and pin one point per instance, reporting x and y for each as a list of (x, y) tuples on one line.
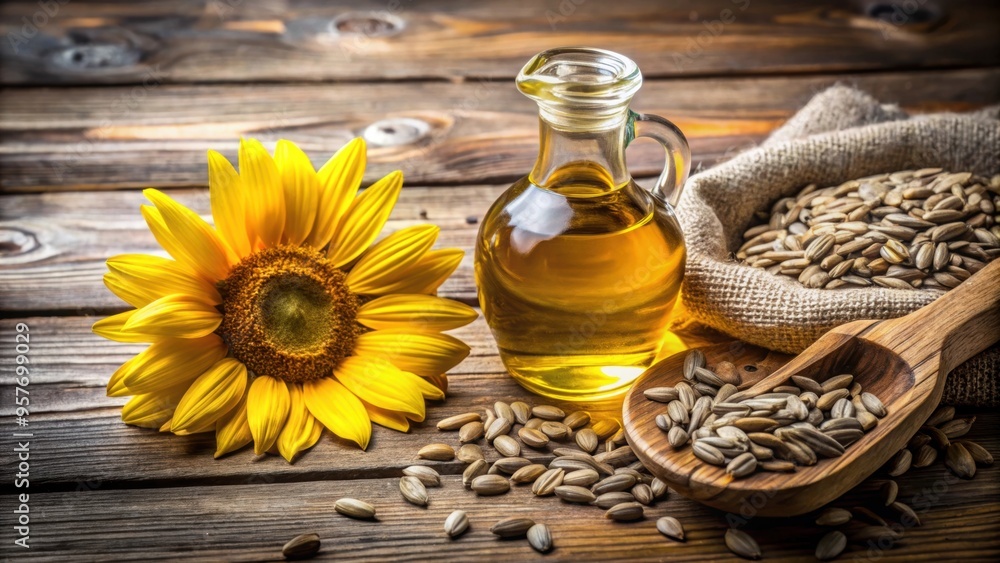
[(15, 242), (395, 131), (367, 24)]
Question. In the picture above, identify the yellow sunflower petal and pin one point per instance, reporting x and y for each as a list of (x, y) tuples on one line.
[(228, 204), (339, 180), (151, 277), (427, 275), (264, 195), (267, 411), (380, 383), (427, 389), (387, 418), (423, 353), (211, 396), (167, 363), (203, 250), (364, 219), (151, 410), (338, 409), (301, 430), (112, 328), (415, 312), (179, 316), (116, 384), (232, 431), (301, 187), (385, 261)]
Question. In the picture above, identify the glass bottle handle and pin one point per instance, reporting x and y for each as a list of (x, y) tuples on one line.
[(678, 163)]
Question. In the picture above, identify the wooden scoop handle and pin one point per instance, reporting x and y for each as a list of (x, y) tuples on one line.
[(958, 325)]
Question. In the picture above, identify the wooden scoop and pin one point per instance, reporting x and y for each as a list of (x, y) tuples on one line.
[(902, 361)]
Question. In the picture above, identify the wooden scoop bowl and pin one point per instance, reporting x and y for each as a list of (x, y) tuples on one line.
[(902, 361)]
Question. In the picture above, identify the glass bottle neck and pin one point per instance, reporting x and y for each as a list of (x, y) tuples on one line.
[(582, 161)]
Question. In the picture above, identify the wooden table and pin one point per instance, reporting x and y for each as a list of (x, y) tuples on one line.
[(100, 99)]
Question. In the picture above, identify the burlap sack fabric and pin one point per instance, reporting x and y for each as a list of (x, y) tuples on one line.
[(841, 134)]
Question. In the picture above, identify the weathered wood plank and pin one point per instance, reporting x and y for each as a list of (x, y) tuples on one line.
[(55, 245), (250, 522), (79, 437), (482, 131), (190, 41)]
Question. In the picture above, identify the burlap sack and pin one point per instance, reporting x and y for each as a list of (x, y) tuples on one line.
[(841, 134)]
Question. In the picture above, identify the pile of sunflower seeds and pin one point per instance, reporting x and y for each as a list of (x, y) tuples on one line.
[(592, 465), (794, 424), (925, 228), (613, 481), (889, 516)]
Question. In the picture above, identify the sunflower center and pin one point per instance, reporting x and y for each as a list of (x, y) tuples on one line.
[(287, 313)]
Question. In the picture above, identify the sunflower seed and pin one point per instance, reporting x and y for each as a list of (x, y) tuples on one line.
[(742, 465), (587, 440), (670, 527), (708, 454), (677, 437), (938, 437), (555, 430), (354, 508), (614, 483), (507, 446), (941, 415), (427, 475), (694, 359), (740, 543), (471, 432), (900, 463), (577, 419), (604, 428), (490, 485), (498, 427), (437, 452), (521, 411), (581, 478), (831, 545), (777, 466), (908, 518), (618, 457), (548, 412), (833, 517), (540, 538), (528, 473), (873, 404), (413, 490), (475, 469), (643, 494), (546, 484), (301, 547), (926, 455), (469, 453), (458, 421), (625, 512), (960, 461), (661, 394), (533, 423), (958, 427), (575, 493), (503, 410), (889, 491), (456, 524), (513, 527), (531, 438), (978, 453)]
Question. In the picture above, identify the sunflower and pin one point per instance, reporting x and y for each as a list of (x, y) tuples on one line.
[(285, 316)]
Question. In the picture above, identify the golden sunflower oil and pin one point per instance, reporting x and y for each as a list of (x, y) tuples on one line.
[(578, 268), (578, 283)]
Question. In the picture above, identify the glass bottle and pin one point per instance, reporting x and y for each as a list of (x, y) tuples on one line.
[(578, 267)]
